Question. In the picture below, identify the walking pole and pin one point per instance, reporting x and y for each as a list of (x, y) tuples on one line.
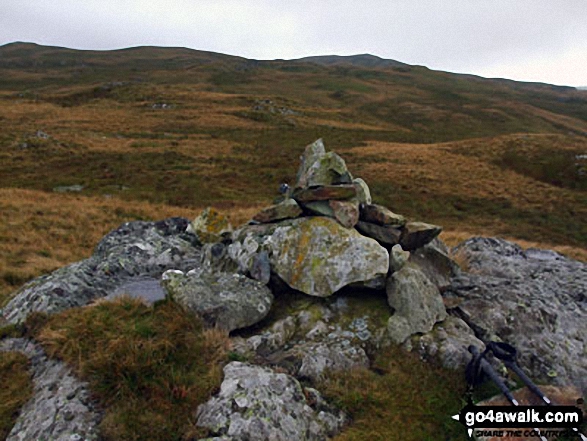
[(485, 367), (507, 353)]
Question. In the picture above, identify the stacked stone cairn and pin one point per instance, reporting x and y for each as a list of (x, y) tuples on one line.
[(324, 233)]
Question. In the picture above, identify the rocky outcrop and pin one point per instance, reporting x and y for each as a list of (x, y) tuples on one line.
[(225, 300), (61, 408), (134, 250), (255, 403), (535, 300)]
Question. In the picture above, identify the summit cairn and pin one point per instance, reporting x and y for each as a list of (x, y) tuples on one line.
[(325, 233)]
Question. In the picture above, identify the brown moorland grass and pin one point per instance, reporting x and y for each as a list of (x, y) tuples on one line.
[(149, 367), (16, 387), (405, 399), (40, 232)]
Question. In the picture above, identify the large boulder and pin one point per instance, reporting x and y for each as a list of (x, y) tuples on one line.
[(317, 256), (257, 404), (226, 300), (133, 251), (535, 300), (416, 301)]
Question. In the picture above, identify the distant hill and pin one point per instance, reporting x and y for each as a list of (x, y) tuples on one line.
[(363, 60)]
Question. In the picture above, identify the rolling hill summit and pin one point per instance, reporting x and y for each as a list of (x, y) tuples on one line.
[(319, 282)]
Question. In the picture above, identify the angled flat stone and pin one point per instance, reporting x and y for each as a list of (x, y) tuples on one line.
[(378, 214), (418, 234), (288, 209), (325, 192), (385, 234)]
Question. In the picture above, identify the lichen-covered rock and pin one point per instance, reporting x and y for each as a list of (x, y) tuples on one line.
[(257, 404), (210, 226), (320, 168), (433, 260), (132, 251), (61, 408), (345, 212), (417, 303), (318, 257), (448, 342), (288, 209), (535, 300), (418, 234), (337, 355), (363, 192), (398, 258), (385, 234), (226, 300), (380, 215)]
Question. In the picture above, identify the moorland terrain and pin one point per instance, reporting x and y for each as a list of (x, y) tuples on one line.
[(91, 139)]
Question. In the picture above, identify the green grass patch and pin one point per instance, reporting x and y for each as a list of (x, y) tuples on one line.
[(406, 399), (149, 367), (16, 387)]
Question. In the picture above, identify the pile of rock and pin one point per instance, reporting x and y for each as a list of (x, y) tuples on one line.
[(323, 235)]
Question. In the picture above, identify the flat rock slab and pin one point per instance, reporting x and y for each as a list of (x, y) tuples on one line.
[(385, 234), (325, 192), (135, 249), (288, 209), (534, 300), (61, 408), (418, 234), (378, 214), (258, 404), (317, 256)]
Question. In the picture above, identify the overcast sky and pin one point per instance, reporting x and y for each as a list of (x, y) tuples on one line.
[(528, 40)]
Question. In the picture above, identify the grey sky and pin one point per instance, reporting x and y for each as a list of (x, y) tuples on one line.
[(529, 40)]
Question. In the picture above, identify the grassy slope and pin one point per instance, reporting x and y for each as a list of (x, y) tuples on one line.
[(476, 156)]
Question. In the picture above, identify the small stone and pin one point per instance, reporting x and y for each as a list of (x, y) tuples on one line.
[(378, 214), (325, 192), (210, 226), (418, 234), (363, 192), (382, 233), (398, 258), (345, 212), (288, 209)]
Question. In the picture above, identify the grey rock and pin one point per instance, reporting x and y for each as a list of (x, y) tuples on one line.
[(418, 234), (398, 258), (324, 192), (134, 250), (227, 300), (312, 153), (417, 303), (210, 226), (384, 234), (255, 403), (61, 408), (261, 267), (448, 342), (378, 214), (433, 260), (288, 209), (337, 355), (346, 212), (534, 300), (363, 192), (318, 257), (320, 168)]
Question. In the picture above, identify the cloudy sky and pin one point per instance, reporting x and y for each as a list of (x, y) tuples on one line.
[(529, 40)]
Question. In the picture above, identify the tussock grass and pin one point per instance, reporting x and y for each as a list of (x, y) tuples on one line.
[(149, 367), (405, 399), (16, 387)]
